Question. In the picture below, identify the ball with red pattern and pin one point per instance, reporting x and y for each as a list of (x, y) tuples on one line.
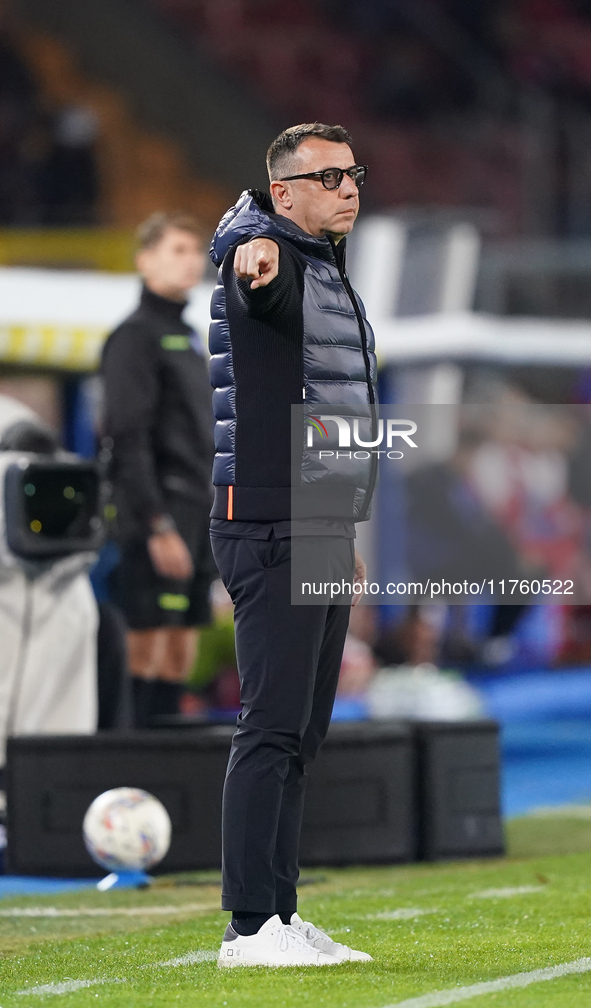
[(126, 829)]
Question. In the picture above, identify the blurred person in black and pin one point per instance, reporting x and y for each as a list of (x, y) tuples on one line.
[(158, 426)]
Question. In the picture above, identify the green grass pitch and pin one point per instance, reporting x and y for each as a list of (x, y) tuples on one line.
[(429, 927)]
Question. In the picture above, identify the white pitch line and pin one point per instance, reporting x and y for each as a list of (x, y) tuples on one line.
[(67, 986), (190, 958), (405, 913), (506, 893), (108, 911), (447, 997)]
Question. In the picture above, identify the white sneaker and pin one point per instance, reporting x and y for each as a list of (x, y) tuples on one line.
[(274, 944), (322, 942)]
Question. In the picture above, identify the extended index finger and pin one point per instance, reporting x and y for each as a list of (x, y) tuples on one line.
[(251, 261), (266, 274)]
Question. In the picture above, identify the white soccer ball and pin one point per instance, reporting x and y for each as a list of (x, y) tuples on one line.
[(126, 829)]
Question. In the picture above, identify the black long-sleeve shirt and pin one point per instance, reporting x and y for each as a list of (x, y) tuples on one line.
[(157, 412), (279, 304)]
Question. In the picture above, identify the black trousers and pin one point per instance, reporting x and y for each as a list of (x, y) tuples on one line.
[(289, 658)]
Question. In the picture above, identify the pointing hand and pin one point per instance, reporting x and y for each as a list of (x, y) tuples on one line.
[(258, 259)]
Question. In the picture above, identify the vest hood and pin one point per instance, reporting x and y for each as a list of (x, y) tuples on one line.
[(254, 215)]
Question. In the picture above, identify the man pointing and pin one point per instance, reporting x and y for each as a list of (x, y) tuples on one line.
[(287, 329)]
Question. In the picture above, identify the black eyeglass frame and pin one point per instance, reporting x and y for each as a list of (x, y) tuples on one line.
[(341, 172)]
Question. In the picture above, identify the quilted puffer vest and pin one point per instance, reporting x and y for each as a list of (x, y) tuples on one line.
[(337, 368)]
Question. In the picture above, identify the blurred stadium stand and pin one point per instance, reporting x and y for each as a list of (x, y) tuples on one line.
[(482, 109), (166, 116), (121, 169), (452, 103)]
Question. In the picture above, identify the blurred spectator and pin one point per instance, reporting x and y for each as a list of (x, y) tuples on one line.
[(68, 180), (17, 115), (499, 646), (452, 535), (48, 168), (413, 641), (576, 646), (520, 476), (422, 692), (357, 667)]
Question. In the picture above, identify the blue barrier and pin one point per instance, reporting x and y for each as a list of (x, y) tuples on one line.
[(28, 885), (536, 696)]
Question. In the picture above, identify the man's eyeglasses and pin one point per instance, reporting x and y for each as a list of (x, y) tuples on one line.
[(331, 178)]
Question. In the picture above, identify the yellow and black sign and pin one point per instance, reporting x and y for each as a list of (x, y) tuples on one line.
[(68, 347)]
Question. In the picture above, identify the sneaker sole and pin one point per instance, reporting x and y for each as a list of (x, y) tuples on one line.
[(224, 964)]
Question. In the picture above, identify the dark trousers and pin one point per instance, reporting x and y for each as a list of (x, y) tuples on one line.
[(289, 658)]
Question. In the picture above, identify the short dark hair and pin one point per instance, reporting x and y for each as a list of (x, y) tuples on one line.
[(152, 230), (283, 148)]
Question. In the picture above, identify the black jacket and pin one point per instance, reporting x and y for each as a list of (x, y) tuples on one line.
[(303, 339), (157, 412)]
